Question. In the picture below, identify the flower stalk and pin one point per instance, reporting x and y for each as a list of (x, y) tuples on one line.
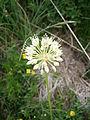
[(49, 100), (43, 54)]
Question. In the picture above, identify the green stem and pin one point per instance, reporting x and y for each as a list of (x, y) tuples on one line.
[(46, 77)]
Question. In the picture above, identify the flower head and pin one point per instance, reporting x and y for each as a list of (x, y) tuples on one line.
[(24, 55), (72, 113), (34, 116), (33, 72), (44, 53), (27, 71), (20, 119), (22, 111), (45, 115)]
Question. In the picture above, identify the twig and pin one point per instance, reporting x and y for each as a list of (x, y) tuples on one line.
[(71, 39), (53, 89), (70, 29), (86, 83), (85, 73), (60, 23)]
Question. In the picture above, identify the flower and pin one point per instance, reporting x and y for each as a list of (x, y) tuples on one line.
[(10, 73), (20, 119), (43, 54), (24, 55), (27, 71), (35, 40), (45, 115), (72, 113), (22, 111), (33, 72), (34, 116)]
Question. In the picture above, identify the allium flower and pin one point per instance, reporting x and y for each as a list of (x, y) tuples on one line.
[(43, 54)]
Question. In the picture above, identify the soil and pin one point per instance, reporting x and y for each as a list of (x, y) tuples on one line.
[(72, 71)]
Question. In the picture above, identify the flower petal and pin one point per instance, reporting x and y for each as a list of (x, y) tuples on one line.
[(35, 41), (36, 67), (33, 61), (54, 68), (42, 71), (56, 63)]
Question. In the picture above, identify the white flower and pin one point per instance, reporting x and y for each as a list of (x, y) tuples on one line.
[(35, 40), (43, 54)]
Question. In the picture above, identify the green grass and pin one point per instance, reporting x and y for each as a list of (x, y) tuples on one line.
[(18, 90)]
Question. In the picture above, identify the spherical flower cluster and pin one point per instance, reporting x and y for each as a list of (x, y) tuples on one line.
[(44, 53)]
